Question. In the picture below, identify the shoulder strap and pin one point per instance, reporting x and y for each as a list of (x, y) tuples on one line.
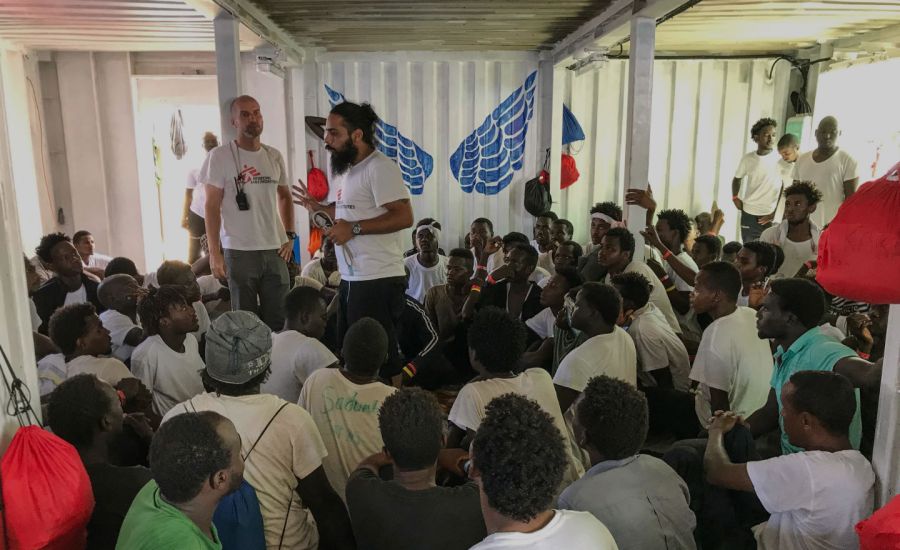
[(269, 423)]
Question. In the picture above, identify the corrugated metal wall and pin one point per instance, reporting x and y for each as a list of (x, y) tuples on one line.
[(702, 114), (437, 100)]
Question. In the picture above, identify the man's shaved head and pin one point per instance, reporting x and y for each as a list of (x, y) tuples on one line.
[(114, 289), (235, 103), (828, 121)]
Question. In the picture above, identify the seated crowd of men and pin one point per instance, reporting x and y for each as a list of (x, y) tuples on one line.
[(554, 396)]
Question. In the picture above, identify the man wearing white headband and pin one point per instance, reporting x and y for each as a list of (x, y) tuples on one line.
[(604, 216), (427, 268)]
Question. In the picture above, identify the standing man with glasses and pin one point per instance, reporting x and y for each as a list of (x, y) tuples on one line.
[(246, 190)]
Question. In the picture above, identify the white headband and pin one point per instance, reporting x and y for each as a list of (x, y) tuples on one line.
[(612, 223), (430, 227)]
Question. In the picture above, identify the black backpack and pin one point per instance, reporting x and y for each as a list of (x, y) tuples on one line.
[(537, 192)]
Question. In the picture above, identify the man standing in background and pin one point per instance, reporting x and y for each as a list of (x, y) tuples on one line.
[(757, 198), (833, 171), (195, 202)]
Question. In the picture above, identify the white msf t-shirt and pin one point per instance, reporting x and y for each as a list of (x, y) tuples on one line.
[(118, 325), (346, 415), (829, 177), (815, 499), (290, 448), (173, 377), (198, 197), (732, 358), (295, 356), (611, 354), (762, 182), (568, 530), (261, 172), (422, 278), (362, 192)]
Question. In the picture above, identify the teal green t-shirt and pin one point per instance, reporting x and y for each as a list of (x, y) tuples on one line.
[(152, 524), (812, 351)]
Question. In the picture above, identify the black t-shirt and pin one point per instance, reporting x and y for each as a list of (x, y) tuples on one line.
[(386, 515), (114, 489)]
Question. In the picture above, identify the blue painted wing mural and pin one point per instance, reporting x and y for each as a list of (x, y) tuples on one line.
[(486, 160), (415, 164)]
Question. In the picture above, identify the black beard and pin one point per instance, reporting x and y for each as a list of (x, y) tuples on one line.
[(343, 159)]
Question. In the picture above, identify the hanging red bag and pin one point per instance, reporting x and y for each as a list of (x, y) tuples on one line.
[(859, 252), (881, 531), (568, 172), (47, 497), (316, 181)]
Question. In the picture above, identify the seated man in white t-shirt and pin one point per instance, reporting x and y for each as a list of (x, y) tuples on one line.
[(180, 274), (69, 284), (481, 237), (297, 351), (501, 270), (496, 343), (553, 297), (608, 349), (324, 269), (757, 199), (518, 461), (832, 169), (280, 443), (77, 332), (733, 365), (797, 235), (756, 263), (344, 402), (815, 497), (94, 263), (120, 294), (427, 268), (168, 362)]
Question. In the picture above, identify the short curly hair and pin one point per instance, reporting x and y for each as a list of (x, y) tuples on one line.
[(677, 220), (633, 287), (497, 339), (155, 306), (609, 208), (604, 299), (412, 427), (121, 265), (521, 457), (76, 407), (68, 324), (625, 238), (185, 452), (765, 255), (760, 124), (615, 417), (807, 189), (44, 250), (570, 228), (712, 243)]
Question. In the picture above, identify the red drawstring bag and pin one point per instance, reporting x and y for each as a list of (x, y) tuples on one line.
[(568, 172), (47, 497), (859, 252), (316, 181), (881, 531)]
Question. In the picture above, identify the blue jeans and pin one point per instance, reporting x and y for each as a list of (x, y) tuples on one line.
[(258, 281)]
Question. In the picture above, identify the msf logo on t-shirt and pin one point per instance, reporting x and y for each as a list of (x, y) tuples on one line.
[(251, 175)]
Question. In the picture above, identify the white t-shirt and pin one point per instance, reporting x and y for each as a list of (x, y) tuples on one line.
[(362, 193), (108, 369), (494, 261), (198, 197), (545, 262), (468, 409), (295, 357), (611, 354), (97, 260), (172, 377), (314, 271), (76, 297), (290, 448), (732, 358), (422, 278), (118, 325), (795, 253), (658, 347), (815, 498), (35, 318), (658, 295), (759, 191), (567, 530), (829, 177), (260, 227), (52, 370), (208, 284), (347, 417), (687, 321), (543, 323), (203, 321)]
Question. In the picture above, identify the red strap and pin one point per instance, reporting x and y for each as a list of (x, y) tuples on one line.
[(312, 163)]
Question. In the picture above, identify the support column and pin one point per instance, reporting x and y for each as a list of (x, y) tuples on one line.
[(640, 100), (886, 454), (812, 81), (228, 68)]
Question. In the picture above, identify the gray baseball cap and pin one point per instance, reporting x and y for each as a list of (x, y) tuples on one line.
[(238, 347)]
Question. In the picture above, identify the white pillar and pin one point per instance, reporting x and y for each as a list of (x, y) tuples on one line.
[(812, 77), (640, 99), (886, 454), (228, 67)]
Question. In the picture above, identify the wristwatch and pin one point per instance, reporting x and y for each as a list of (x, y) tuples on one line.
[(291, 235), (357, 229)]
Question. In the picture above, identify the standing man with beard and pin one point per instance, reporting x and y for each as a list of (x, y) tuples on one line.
[(246, 189), (370, 216)]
